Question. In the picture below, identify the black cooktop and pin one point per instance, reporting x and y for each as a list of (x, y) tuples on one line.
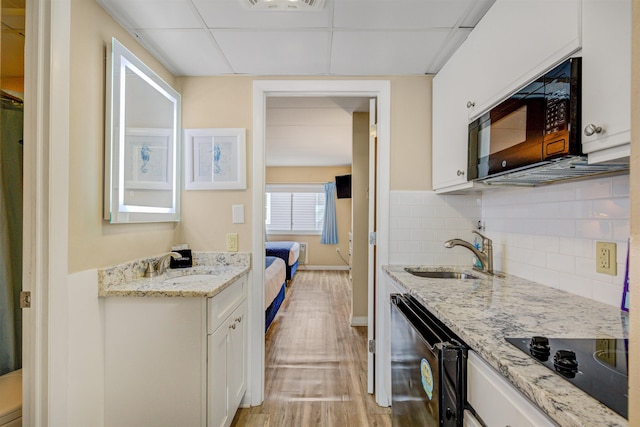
[(596, 366)]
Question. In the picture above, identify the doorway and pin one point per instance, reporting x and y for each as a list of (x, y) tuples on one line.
[(276, 88)]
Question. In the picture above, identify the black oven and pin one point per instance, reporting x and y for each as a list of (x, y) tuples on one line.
[(428, 368), (539, 122)]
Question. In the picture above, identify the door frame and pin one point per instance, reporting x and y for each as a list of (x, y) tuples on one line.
[(46, 211), (380, 89)]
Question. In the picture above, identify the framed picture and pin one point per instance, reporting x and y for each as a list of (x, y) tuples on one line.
[(215, 159), (148, 160)]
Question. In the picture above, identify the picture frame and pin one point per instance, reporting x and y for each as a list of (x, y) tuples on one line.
[(215, 159), (148, 159)]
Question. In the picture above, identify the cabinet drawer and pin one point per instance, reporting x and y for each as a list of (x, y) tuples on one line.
[(496, 401), (220, 306)]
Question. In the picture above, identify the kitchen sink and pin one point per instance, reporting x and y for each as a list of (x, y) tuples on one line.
[(440, 274)]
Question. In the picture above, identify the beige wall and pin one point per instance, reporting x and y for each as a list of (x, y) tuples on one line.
[(411, 133), (360, 218), (319, 254), (227, 102), (634, 263), (216, 102), (207, 102), (92, 241)]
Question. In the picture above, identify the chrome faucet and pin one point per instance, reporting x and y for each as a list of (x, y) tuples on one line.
[(484, 255), (157, 268)]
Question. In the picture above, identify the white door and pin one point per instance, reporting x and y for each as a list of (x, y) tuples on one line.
[(372, 247)]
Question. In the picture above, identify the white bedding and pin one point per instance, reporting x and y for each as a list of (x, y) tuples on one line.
[(274, 277), (294, 253)]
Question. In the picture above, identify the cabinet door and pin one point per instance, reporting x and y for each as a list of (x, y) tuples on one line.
[(217, 397), (237, 357), (496, 401), (515, 42), (449, 127), (606, 73)]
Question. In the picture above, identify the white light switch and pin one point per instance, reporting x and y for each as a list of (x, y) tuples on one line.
[(238, 214)]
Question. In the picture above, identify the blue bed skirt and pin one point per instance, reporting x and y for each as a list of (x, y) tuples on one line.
[(272, 310), (291, 270)]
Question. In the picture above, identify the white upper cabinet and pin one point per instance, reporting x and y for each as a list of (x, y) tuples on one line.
[(606, 79), (513, 43), (450, 118)]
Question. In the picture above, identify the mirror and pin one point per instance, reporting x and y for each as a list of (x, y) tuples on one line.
[(142, 142)]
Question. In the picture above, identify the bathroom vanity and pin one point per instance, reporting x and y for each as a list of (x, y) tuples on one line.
[(176, 348)]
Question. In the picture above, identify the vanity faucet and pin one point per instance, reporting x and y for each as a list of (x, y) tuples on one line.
[(157, 268), (484, 255)]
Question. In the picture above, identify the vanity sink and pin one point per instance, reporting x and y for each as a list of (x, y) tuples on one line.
[(440, 274), (190, 278)]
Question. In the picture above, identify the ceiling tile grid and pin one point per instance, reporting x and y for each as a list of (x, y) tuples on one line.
[(346, 37)]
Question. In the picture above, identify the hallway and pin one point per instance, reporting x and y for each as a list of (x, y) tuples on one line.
[(316, 363)]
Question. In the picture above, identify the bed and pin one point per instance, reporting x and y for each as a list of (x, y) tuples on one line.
[(288, 252), (275, 284)]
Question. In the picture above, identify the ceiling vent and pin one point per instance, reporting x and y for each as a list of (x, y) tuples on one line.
[(283, 5)]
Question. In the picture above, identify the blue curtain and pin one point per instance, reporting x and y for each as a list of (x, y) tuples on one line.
[(330, 227)]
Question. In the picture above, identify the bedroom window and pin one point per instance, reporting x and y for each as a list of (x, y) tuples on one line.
[(294, 208)]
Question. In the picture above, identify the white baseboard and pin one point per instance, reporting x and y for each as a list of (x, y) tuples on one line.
[(360, 321), (324, 267)]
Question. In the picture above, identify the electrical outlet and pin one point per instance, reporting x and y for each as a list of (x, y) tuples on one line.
[(232, 242), (606, 258)]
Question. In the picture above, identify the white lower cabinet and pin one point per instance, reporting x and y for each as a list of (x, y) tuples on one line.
[(175, 361), (226, 368), (496, 401)]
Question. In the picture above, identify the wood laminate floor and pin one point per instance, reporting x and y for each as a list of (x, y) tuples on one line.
[(316, 362)]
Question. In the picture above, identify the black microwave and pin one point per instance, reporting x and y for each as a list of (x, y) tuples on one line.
[(538, 123)]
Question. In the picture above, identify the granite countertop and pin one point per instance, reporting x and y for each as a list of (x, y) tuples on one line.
[(221, 268), (483, 312)]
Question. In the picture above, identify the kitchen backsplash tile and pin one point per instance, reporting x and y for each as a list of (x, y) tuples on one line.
[(546, 234), (421, 221), (563, 222)]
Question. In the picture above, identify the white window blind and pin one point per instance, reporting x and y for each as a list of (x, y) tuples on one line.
[(294, 208)]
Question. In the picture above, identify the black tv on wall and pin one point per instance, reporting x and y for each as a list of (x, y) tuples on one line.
[(343, 186)]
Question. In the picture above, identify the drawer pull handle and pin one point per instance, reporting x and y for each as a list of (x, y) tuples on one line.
[(238, 319), (460, 173), (471, 104), (232, 326)]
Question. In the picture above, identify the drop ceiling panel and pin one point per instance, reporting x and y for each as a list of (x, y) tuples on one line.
[(186, 52), (397, 14), (385, 52), (154, 14), (273, 52), (231, 14), (453, 42)]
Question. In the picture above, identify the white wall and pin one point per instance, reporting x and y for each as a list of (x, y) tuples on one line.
[(548, 234), (421, 221), (85, 384)]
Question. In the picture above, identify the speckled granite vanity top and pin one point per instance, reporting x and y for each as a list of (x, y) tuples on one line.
[(221, 270), (484, 311)]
